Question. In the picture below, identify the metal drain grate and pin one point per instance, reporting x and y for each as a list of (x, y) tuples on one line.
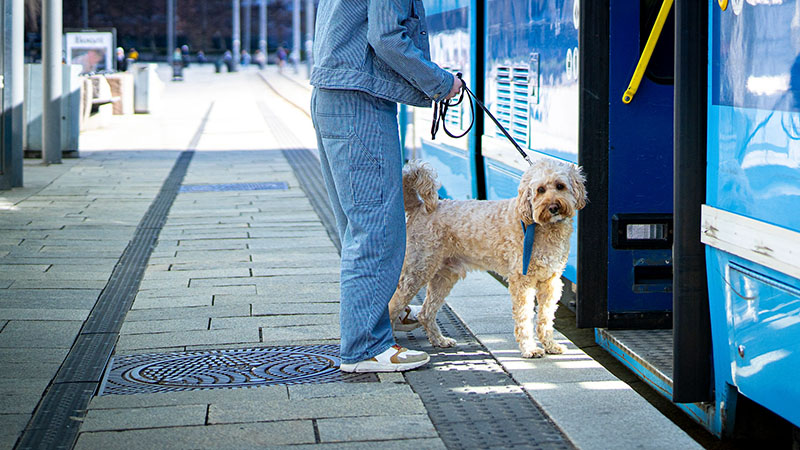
[(266, 186), (240, 368)]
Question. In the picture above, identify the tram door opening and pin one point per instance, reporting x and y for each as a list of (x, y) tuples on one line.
[(625, 239)]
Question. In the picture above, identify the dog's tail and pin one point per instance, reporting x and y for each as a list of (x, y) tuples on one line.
[(419, 187)]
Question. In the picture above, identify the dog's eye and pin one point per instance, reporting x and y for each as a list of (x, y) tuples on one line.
[(541, 189), (560, 186)]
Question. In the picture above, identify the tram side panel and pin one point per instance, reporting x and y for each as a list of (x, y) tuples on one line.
[(531, 86), (449, 35), (750, 222)]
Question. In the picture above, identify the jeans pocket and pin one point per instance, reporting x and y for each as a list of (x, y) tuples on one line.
[(366, 182)]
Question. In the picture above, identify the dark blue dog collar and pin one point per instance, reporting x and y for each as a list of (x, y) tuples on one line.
[(527, 245)]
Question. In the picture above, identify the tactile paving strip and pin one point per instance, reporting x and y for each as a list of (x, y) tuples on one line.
[(239, 368), (265, 186), (471, 400)]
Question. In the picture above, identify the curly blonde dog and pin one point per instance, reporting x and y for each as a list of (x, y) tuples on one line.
[(447, 238)]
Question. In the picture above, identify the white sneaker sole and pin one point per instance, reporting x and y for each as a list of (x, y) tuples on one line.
[(375, 366)]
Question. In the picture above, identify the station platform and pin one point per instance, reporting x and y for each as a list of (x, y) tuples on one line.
[(176, 286)]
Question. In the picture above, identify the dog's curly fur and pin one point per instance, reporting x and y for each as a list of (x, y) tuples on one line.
[(447, 238)]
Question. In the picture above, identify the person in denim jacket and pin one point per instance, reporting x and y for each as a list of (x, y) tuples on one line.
[(368, 56)]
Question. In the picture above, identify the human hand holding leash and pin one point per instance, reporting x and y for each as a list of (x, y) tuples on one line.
[(458, 85)]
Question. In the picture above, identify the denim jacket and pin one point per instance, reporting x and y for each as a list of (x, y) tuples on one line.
[(379, 47)]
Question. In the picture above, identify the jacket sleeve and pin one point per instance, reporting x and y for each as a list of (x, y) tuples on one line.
[(389, 37)]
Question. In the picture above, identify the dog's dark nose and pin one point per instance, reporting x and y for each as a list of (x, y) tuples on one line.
[(553, 208)]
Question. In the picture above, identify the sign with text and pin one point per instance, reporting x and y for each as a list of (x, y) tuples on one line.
[(92, 50)]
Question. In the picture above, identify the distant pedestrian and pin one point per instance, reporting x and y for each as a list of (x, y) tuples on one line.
[(201, 57), (185, 55), (122, 61), (227, 59), (281, 53), (177, 65), (245, 58), (133, 54), (260, 59)]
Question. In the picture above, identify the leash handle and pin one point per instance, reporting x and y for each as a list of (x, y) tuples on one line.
[(440, 110)]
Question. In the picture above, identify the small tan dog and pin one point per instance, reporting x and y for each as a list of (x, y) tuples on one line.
[(447, 238)]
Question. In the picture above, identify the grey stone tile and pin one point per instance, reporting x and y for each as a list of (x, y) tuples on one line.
[(376, 428), (319, 408), (48, 298), (197, 274), (133, 418), (41, 355), (11, 427), (264, 394), (240, 310), (35, 370), (234, 437), (5, 284), (19, 403), (164, 325), (186, 338), (59, 284), (308, 272), (340, 390), (43, 314), (289, 335), (177, 303), (13, 269), (261, 308), (39, 334), (275, 321)]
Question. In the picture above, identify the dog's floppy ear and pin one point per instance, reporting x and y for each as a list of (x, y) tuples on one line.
[(578, 182), (523, 205)]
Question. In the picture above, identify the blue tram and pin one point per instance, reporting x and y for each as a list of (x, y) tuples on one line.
[(687, 260)]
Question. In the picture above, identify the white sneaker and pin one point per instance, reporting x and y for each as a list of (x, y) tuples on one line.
[(407, 320), (395, 359)]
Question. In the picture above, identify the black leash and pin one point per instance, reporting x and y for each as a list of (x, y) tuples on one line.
[(440, 111)]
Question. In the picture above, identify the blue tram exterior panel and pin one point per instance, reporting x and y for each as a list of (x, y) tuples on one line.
[(450, 38), (531, 86), (754, 171)]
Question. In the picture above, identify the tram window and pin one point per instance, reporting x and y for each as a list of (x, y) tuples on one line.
[(662, 64)]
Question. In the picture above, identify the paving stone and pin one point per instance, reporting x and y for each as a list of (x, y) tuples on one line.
[(264, 394), (43, 314), (306, 307), (133, 418), (11, 427), (240, 310), (288, 335), (376, 428), (33, 369), (328, 293), (187, 274), (59, 284), (269, 322), (5, 284), (186, 338), (234, 436), (41, 355), (344, 390), (310, 272), (318, 408), (19, 403), (159, 303), (13, 269), (39, 334), (164, 325)]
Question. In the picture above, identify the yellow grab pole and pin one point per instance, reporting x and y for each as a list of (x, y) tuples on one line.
[(647, 52)]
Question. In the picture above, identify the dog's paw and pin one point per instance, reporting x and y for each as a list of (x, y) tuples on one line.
[(532, 352), (443, 341), (554, 348)]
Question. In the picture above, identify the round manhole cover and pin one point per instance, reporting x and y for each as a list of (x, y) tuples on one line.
[(224, 369)]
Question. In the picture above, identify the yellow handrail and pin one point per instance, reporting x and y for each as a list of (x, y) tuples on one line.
[(647, 52)]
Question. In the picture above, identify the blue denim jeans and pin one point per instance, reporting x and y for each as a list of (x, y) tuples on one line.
[(361, 161)]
